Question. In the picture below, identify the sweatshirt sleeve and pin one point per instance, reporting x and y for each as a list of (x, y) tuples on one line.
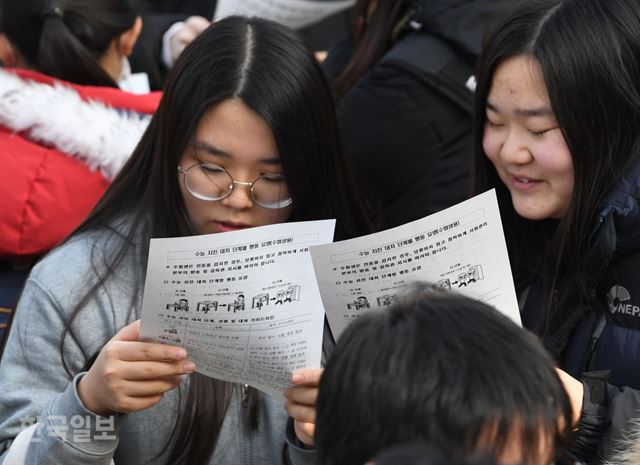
[(68, 433), (296, 453), (36, 389)]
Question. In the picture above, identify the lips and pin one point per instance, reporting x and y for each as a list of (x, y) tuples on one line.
[(524, 182), (226, 227)]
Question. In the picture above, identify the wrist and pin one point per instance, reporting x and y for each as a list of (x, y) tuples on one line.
[(84, 390), (576, 395), (575, 392)]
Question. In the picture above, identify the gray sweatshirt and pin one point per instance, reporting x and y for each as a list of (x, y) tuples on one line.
[(35, 387)]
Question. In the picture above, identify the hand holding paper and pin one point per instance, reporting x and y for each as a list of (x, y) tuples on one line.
[(129, 376), (244, 304), (247, 304), (301, 403)]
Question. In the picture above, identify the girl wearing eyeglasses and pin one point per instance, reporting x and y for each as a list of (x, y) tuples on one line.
[(245, 136)]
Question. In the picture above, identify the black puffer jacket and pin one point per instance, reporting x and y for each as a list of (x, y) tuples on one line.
[(603, 336)]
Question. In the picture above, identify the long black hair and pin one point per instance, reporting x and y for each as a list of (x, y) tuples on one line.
[(589, 55), (66, 38), (266, 66), (441, 369)]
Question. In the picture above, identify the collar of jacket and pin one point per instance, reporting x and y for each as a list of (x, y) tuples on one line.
[(616, 232), (622, 203)]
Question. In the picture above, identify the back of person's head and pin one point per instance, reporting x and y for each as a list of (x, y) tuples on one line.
[(422, 454), (589, 55), (67, 38), (441, 369), (267, 67)]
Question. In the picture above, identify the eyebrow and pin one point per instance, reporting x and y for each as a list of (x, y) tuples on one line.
[(525, 112), (213, 150)]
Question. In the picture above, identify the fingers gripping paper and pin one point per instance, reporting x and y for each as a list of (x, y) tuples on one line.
[(249, 305)]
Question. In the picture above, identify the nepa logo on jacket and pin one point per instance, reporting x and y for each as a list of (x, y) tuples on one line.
[(618, 297), (622, 310)]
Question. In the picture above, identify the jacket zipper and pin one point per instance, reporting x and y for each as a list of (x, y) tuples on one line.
[(245, 419), (245, 395), (595, 336)]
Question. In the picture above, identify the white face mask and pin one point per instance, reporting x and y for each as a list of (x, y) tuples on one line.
[(136, 83)]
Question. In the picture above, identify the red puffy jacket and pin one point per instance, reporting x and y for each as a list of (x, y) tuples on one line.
[(60, 146)]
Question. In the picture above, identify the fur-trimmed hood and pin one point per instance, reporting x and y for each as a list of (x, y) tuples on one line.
[(60, 146), (56, 115), (628, 452)]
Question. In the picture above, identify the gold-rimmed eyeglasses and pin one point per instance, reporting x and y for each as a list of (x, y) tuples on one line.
[(212, 182)]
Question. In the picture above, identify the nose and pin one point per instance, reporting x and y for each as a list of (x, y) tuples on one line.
[(514, 149), (240, 197)]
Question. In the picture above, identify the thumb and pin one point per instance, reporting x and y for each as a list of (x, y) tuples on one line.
[(129, 333)]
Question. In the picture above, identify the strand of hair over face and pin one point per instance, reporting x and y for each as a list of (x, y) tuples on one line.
[(246, 63)]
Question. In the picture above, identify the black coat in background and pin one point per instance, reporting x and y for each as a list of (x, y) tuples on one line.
[(408, 143), (406, 140), (186, 7)]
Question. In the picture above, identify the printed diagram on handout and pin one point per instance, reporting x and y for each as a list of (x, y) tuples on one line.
[(466, 278), (259, 301)]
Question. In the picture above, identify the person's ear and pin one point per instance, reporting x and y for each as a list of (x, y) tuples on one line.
[(9, 56), (128, 38)]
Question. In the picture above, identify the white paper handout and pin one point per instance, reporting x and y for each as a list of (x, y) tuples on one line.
[(245, 304), (461, 248), (295, 14)]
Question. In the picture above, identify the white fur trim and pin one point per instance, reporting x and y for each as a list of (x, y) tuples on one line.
[(628, 451), (100, 136)]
